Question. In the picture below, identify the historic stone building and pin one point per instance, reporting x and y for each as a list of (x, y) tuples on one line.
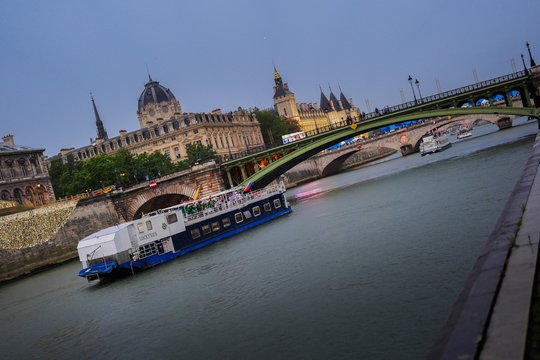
[(312, 116), (23, 174), (164, 128)]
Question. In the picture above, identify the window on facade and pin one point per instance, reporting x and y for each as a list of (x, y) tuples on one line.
[(221, 141), (177, 152), (140, 228), (256, 211), (23, 170), (175, 125), (238, 218), (247, 214), (195, 131), (277, 203), (165, 129), (206, 229), (11, 172), (195, 233), (215, 226), (172, 218), (148, 225), (267, 207), (226, 222), (146, 134), (285, 111)]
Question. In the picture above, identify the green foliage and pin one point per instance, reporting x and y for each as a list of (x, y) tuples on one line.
[(198, 153), (273, 126), (121, 169)]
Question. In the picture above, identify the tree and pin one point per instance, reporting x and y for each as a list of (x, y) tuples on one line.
[(121, 169), (199, 153), (273, 126)]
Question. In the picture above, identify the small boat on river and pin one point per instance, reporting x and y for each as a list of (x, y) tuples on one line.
[(434, 143), (165, 234), (464, 133)]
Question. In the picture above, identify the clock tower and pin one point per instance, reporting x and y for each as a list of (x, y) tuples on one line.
[(284, 99)]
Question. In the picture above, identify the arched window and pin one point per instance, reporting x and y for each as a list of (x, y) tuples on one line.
[(5, 195), (18, 195)]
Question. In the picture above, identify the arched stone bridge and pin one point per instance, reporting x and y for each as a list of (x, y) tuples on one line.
[(407, 140), (170, 190)]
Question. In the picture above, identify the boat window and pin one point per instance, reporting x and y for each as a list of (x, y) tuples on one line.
[(256, 211), (148, 225), (195, 233), (238, 218), (215, 226), (172, 218), (277, 203), (247, 214), (226, 222), (267, 207), (140, 228), (206, 229)]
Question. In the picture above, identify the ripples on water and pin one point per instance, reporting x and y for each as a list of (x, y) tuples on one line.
[(367, 266)]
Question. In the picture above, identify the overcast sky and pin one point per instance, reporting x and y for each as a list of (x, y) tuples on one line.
[(220, 54)]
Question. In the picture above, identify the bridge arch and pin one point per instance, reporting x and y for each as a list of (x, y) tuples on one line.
[(160, 197)]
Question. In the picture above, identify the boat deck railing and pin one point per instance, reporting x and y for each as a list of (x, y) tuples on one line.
[(198, 210)]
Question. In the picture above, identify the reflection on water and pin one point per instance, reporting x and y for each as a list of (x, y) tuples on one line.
[(366, 267)]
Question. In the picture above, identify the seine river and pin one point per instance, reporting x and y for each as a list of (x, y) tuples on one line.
[(366, 267)]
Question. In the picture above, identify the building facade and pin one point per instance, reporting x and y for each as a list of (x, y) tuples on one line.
[(24, 176), (312, 116), (164, 128)]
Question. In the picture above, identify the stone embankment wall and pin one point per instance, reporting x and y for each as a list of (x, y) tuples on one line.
[(23, 253)]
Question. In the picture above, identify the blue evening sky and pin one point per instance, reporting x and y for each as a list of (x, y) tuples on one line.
[(219, 54)]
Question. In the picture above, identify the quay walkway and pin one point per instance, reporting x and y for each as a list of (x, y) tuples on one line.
[(491, 317)]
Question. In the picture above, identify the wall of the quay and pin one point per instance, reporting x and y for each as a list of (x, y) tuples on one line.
[(490, 319), (87, 217)]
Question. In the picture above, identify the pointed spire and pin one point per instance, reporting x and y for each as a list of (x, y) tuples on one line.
[(148, 72), (530, 55), (524, 66), (334, 102), (344, 102), (277, 77), (324, 104), (101, 132), (280, 89)]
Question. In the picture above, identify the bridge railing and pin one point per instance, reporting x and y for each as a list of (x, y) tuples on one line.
[(384, 111)]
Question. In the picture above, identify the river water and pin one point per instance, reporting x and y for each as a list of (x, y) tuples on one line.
[(366, 267)]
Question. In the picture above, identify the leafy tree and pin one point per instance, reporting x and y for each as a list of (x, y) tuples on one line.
[(198, 153), (121, 169), (273, 126)]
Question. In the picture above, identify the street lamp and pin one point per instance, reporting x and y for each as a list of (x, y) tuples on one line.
[(418, 86), (533, 64), (412, 88)]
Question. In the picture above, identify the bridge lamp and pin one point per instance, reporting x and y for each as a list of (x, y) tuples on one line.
[(410, 79), (418, 86)]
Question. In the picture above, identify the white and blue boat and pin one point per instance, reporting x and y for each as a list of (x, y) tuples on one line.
[(165, 234)]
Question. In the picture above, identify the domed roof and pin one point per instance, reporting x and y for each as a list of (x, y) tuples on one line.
[(154, 93)]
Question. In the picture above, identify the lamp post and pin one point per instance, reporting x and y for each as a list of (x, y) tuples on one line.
[(418, 86), (412, 88), (533, 63)]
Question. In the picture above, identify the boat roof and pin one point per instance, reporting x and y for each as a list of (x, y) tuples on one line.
[(107, 231)]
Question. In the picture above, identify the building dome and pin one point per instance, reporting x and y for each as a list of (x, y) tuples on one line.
[(154, 93)]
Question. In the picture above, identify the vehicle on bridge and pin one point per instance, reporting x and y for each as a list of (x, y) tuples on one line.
[(295, 136), (165, 234)]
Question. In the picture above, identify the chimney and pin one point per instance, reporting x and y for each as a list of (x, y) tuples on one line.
[(8, 140)]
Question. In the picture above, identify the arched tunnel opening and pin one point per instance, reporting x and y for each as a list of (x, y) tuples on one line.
[(160, 202)]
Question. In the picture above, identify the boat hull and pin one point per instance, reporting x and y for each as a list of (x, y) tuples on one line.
[(197, 234)]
